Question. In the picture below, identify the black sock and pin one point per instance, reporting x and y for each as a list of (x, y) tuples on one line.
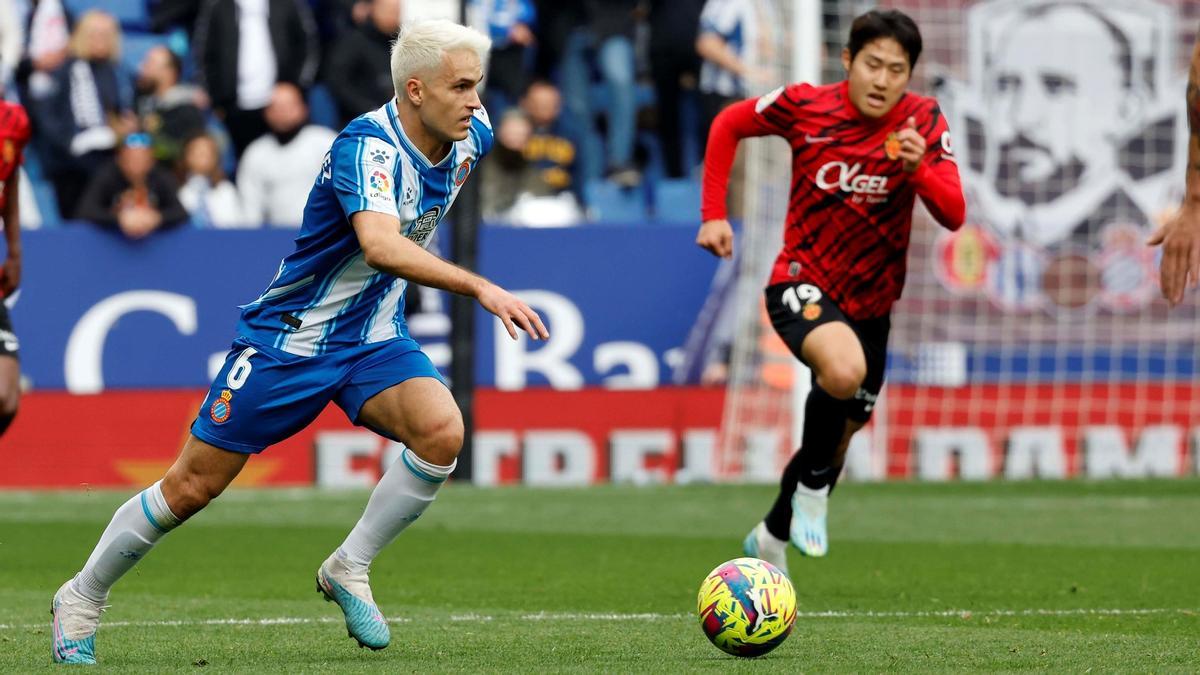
[(6, 420), (824, 426)]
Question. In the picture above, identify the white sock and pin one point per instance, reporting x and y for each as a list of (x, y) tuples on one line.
[(768, 544), (402, 495), (135, 527)]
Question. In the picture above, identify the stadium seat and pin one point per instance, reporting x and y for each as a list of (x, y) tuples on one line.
[(322, 108), (130, 13), (610, 203), (43, 189), (677, 202)]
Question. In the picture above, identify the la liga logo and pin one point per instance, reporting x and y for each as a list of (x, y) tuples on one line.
[(379, 181)]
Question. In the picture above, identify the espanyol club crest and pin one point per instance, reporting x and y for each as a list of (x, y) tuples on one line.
[(221, 408), (464, 170)]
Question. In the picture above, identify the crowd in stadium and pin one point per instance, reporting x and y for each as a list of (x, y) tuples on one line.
[(152, 114)]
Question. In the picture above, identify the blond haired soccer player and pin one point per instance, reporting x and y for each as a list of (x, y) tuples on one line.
[(863, 150), (330, 327), (1180, 236)]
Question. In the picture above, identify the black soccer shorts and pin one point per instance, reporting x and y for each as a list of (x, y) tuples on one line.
[(9, 345), (797, 309)]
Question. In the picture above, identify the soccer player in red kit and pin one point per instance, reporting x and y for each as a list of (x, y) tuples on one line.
[(863, 150), (14, 134)]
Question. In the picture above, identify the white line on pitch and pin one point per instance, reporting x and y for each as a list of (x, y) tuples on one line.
[(645, 616)]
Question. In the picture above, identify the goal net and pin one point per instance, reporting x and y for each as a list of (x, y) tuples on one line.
[(1032, 342)]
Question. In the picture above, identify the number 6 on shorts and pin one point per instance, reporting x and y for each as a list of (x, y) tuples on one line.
[(241, 369)]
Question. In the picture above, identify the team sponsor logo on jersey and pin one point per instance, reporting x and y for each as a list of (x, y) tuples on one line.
[(848, 179), (891, 147), (380, 156), (423, 226), (464, 170), (221, 408), (327, 166)]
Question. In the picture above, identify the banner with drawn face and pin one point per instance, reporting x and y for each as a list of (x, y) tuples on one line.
[(1070, 130)]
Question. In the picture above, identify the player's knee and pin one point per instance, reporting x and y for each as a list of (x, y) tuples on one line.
[(842, 381), (9, 400), (187, 493), (439, 441)]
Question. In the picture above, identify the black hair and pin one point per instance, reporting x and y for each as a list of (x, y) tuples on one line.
[(175, 61), (891, 23)]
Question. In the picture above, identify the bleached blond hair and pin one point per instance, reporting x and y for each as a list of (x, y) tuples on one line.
[(89, 20), (421, 46)]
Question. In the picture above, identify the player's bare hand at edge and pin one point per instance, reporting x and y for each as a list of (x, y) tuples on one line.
[(716, 237), (912, 145), (512, 311), (10, 275), (1180, 239)]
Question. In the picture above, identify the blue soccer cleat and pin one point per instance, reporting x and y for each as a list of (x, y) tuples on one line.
[(74, 628), (808, 520), (352, 592), (761, 544)]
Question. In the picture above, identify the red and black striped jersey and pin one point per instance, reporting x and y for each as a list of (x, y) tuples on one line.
[(851, 204), (14, 134)]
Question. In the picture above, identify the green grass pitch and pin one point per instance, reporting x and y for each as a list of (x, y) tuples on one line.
[(999, 577)]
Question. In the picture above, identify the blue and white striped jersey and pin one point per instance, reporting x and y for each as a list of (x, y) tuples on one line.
[(743, 25), (325, 296)]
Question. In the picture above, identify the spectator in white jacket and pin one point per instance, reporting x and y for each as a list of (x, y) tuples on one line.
[(278, 169), (209, 197)]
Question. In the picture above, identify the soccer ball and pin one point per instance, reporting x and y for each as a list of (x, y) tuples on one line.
[(747, 607)]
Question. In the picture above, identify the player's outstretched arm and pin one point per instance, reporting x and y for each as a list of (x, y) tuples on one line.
[(1180, 235), (386, 250)]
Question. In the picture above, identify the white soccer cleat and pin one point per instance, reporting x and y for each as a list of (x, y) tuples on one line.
[(761, 544), (74, 628), (809, 507), (352, 592)]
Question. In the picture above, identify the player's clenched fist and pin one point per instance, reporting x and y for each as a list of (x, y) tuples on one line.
[(716, 237), (912, 145), (512, 311)]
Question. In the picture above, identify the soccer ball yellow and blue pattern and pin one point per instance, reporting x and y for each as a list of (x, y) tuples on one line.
[(747, 607)]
